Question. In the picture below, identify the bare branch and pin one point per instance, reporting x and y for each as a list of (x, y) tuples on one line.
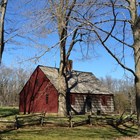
[(128, 1), (114, 23), (70, 10), (110, 52), (48, 49), (115, 38), (72, 43)]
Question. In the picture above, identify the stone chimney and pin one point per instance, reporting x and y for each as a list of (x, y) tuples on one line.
[(69, 66)]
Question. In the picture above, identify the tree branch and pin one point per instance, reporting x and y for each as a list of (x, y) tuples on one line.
[(48, 49), (70, 10), (110, 52), (72, 43), (114, 23), (130, 46)]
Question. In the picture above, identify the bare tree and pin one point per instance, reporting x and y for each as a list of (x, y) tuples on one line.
[(3, 5), (61, 18), (122, 38), (64, 19), (11, 83), (68, 16), (110, 83), (124, 93)]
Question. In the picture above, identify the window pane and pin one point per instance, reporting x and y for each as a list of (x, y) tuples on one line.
[(47, 98)]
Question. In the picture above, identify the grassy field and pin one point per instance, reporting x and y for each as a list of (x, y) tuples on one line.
[(57, 133), (50, 132)]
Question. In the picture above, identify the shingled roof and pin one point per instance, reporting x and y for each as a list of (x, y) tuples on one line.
[(79, 82)]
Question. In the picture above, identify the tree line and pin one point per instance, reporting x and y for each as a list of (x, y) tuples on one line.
[(12, 81), (124, 93)]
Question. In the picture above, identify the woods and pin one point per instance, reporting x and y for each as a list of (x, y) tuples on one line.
[(11, 83)]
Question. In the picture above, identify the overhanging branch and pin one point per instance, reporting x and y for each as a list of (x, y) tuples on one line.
[(110, 52), (73, 42)]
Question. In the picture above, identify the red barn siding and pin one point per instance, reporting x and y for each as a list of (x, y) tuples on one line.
[(33, 95)]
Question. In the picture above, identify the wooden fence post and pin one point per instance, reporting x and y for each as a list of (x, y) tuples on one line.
[(16, 122), (89, 120), (42, 120)]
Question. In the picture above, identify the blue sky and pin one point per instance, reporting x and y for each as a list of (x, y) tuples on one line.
[(100, 63)]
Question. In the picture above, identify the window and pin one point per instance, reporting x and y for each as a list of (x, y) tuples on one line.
[(72, 99), (47, 98), (104, 100)]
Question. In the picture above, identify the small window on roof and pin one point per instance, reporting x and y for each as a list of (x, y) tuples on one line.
[(47, 98)]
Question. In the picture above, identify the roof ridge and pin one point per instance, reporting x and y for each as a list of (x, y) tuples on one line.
[(47, 67), (72, 70)]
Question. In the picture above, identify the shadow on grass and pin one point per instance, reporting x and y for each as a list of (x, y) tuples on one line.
[(125, 129), (6, 131)]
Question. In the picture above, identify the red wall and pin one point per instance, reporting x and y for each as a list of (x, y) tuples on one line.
[(33, 95)]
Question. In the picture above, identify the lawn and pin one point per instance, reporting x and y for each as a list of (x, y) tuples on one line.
[(8, 111), (61, 133), (50, 132)]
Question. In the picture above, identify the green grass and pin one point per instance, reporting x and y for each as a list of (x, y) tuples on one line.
[(61, 133), (8, 111)]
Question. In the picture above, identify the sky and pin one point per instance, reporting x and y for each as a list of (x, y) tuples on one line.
[(100, 64)]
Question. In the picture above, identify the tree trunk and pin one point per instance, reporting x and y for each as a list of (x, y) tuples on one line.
[(62, 82), (136, 34), (3, 11), (62, 111), (137, 86)]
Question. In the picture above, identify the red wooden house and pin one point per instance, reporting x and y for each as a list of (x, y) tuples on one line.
[(87, 94)]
